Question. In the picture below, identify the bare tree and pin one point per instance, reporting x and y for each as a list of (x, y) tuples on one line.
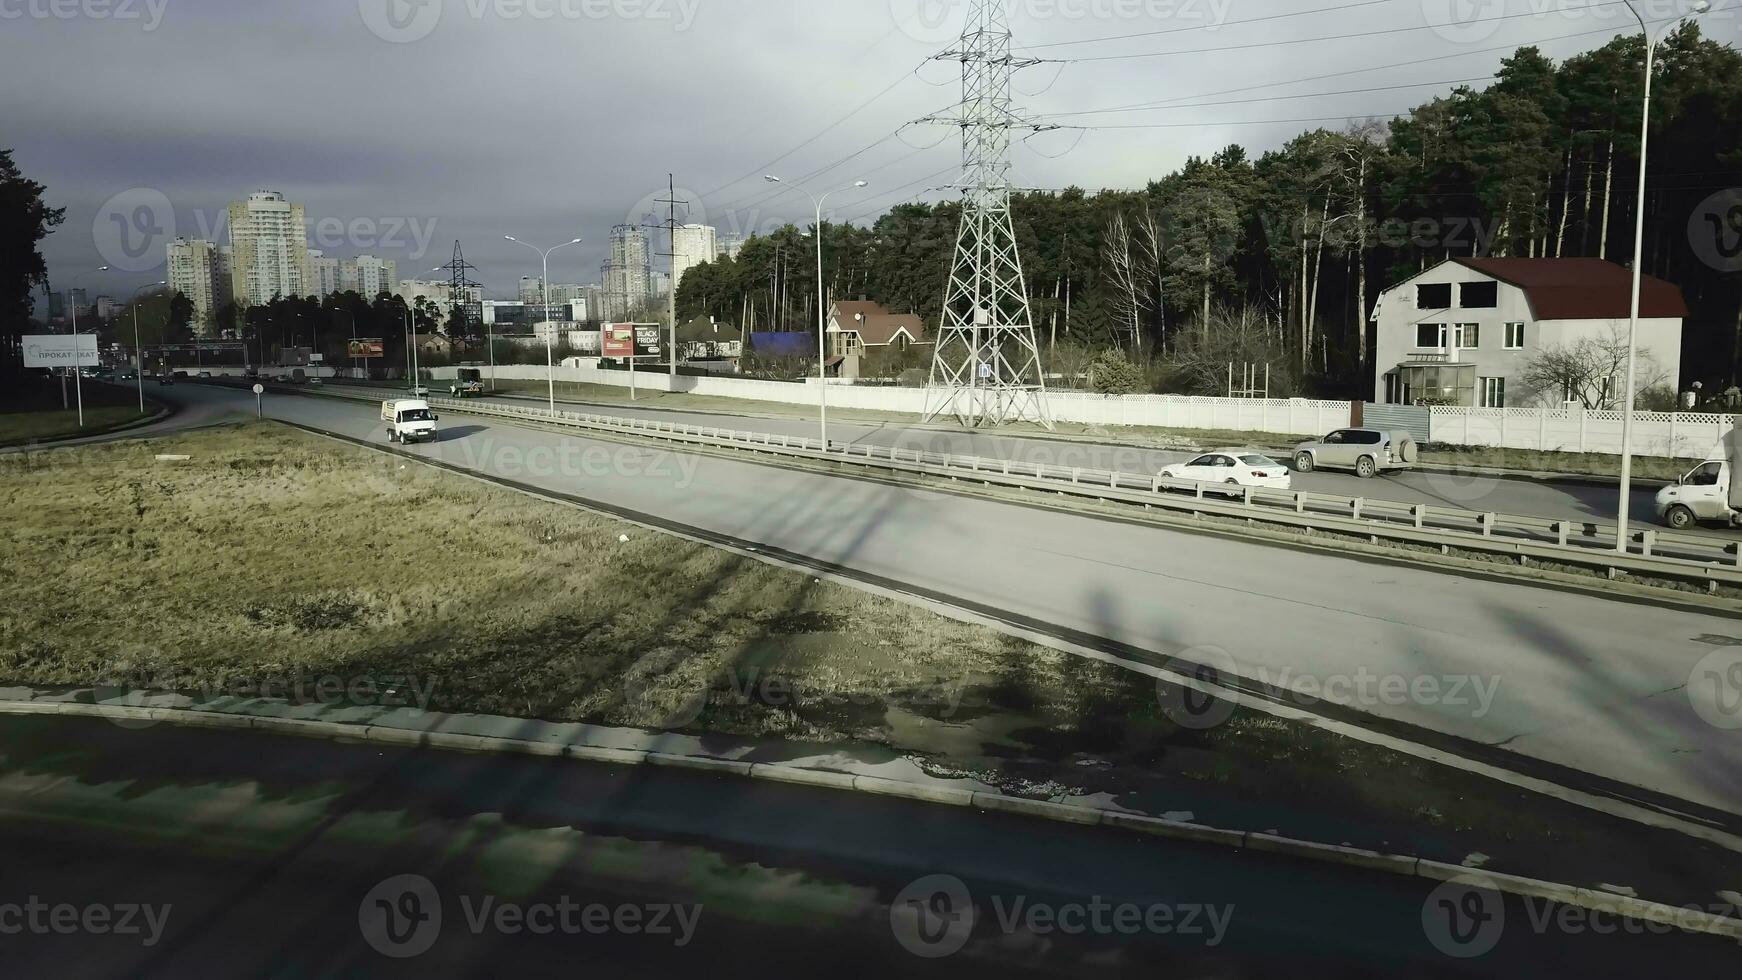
[(1129, 284), (1591, 371)]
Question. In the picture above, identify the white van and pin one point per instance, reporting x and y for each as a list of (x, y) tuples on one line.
[(1702, 495), (409, 420)]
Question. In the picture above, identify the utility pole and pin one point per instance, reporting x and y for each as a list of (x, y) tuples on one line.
[(671, 202), (986, 367)]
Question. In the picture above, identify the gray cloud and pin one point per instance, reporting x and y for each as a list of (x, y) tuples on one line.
[(550, 119)]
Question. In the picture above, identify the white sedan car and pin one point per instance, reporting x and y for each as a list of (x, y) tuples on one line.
[(1234, 468)]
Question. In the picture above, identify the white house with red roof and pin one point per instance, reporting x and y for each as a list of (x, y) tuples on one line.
[(1463, 331)]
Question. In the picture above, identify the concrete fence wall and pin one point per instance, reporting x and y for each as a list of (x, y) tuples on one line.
[(1275, 416)]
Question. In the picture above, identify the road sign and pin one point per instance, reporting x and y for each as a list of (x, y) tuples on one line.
[(260, 389), (368, 348), (61, 350), (317, 358)]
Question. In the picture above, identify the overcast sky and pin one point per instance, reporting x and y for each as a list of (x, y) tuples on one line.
[(403, 125)]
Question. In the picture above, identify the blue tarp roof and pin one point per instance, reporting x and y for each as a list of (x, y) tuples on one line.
[(784, 344)]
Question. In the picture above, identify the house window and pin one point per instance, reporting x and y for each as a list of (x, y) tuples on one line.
[(1515, 336), (1469, 336), (1433, 296), (1430, 336), (1479, 295), (1493, 392)]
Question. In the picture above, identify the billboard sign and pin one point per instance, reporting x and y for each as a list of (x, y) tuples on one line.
[(619, 339), (61, 350), (368, 348)]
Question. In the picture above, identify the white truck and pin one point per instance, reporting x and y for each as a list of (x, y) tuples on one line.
[(1711, 492), (409, 420)]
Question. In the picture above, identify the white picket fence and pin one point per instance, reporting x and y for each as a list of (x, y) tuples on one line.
[(1277, 416), (1668, 434)]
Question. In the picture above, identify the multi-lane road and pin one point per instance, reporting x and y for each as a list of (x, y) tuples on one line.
[(1567, 499), (1569, 686)]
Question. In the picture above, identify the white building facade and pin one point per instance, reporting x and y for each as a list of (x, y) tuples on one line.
[(1464, 332), (269, 242), (691, 245)]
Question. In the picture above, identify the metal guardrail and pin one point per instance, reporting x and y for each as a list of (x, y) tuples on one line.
[(1659, 554)]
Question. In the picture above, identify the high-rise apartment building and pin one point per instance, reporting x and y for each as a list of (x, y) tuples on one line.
[(269, 239), (691, 245), (628, 273), (323, 274), (199, 270), (728, 248), (368, 276)]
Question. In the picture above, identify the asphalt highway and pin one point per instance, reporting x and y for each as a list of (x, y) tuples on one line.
[(1538, 677), (1463, 491), (171, 852)]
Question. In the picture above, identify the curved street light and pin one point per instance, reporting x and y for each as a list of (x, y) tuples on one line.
[(138, 349), (550, 328), (822, 306), (1652, 40), (78, 375)]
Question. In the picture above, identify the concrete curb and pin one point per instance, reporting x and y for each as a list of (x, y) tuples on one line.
[(1686, 919)]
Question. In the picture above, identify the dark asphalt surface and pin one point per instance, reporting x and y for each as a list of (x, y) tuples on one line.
[(262, 855)]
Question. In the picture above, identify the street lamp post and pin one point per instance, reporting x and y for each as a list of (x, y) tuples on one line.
[(78, 375), (1622, 533), (822, 310), (138, 350), (549, 327)]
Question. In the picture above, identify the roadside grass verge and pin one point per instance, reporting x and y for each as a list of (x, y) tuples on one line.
[(273, 554), (30, 409)]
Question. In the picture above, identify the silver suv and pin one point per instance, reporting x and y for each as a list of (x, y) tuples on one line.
[(1366, 451)]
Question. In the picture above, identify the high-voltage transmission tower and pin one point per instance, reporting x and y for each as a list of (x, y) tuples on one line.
[(460, 286), (986, 366)]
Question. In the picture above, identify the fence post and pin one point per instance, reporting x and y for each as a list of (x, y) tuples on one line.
[(1542, 429), (1583, 413)]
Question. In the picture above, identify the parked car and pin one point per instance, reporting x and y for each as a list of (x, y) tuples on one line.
[(1232, 467), (166, 379), (1703, 495), (205, 374), (1368, 452), (419, 391)]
